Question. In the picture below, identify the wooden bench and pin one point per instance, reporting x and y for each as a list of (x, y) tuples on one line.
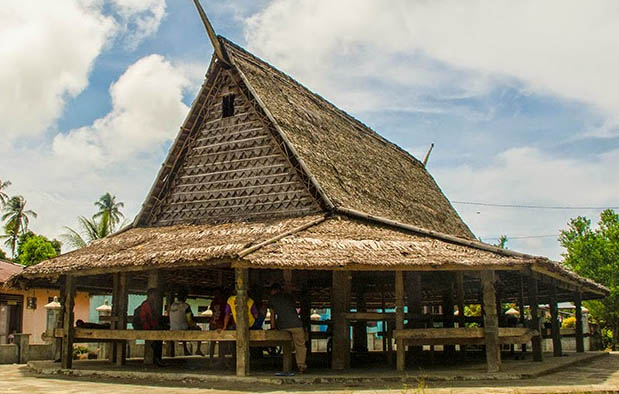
[(257, 338), (461, 336)]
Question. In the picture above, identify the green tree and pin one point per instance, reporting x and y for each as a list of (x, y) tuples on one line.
[(17, 217), (24, 237), (2, 254), (109, 207), (36, 249), (89, 230), (502, 242), (3, 196), (594, 253)]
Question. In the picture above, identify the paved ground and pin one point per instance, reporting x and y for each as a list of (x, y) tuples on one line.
[(598, 375)]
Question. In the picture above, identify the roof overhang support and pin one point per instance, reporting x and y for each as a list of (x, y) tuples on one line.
[(219, 52)]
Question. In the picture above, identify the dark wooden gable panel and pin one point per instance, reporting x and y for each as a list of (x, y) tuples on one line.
[(232, 169)]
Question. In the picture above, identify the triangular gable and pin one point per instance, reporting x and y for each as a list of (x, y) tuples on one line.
[(227, 168), (356, 167)]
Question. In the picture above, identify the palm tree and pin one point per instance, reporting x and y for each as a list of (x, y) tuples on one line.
[(10, 236), (109, 207), (17, 218), (3, 196), (90, 230)]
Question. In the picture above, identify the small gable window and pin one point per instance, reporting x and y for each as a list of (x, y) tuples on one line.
[(228, 106)]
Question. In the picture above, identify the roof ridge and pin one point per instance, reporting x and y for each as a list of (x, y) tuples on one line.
[(332, 106)]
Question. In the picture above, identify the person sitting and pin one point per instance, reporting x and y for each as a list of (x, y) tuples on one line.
[(230, 315), (181, 318), (149, 318), (284, 316)]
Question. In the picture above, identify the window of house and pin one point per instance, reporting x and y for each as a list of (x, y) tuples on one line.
[(228, 106)]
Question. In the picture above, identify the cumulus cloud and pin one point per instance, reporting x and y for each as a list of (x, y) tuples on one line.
[(527, 174), (147, 110), (564, 48), (47, 51), (140, 18)]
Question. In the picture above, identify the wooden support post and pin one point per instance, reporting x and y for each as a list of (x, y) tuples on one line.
[(340, 294), (287, 281), (69, 330), (448, 315), (491, 321), (123, 300), (460, 301), (384, 310), (580, 340), (59, 324), (555, 325), (522, 318), (170, 348), (306, 316), (536, 341), (414, 300), (399, 320), (154, 282), (360, 328), (111, 347), (242, 322)]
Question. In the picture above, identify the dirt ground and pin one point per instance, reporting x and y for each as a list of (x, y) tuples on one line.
[(600, 375)]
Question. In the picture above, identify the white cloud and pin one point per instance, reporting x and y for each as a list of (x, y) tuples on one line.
[(527, 175), (147, 110), (565, 48), (47, 51), (140, 18)]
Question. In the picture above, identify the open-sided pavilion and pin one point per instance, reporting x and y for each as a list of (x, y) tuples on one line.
[(268, 182)]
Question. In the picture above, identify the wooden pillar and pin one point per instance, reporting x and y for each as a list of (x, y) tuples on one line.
[(306, 315), (340, 293), (123, 300), (287, 281), (154, 282), (69, 331), (399, 320), (580, 342), (536, 341), (555, 325), (414, 301), (111, 346), (383, 306), (448, 314), (522, 318), (491, 321), (360, 328), (59, 324), (242, 322), (460, 301)]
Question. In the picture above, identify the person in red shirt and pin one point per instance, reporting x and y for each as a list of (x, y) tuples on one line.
[(218, 307), (149, 317)]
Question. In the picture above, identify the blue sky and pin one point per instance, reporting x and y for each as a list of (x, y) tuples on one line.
[(521, 99)]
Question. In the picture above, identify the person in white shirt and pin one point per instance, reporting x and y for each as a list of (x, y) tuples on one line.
[(181, 318)]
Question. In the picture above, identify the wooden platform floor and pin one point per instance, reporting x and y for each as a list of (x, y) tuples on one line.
[(369, 370)]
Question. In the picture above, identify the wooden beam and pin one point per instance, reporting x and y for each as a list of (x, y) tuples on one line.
[(221, 56), (257, 336), (242, 322), (154, 282), (555, 325), (68, 329), (448, 313), (580, 343), (340, 294), (491, 321), (536, 341), (414, 301), (360, 329), (460, 302), (111, 347), (521, 318), (399, 320), (123, 300)]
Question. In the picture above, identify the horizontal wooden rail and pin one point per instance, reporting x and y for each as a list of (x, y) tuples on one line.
[(174, 335), (461, 336), (197, 319)]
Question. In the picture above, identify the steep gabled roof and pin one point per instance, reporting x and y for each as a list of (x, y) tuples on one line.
[(341, 161)]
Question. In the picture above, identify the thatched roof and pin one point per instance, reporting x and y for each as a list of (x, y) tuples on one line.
[(340, 160), (313, 242)]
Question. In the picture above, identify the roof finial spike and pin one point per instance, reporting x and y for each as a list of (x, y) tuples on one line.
[(425, 159), (219, 53)]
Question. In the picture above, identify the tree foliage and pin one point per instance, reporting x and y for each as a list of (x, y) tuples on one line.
[(35, 249), (89, 230), (594, 253), (109, 207), (17, 219), (4, 198)]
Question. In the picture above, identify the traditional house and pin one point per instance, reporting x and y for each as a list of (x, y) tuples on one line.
[(267, 181), (22, 310)]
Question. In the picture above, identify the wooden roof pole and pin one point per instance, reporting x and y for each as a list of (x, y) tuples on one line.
[(219, 53)]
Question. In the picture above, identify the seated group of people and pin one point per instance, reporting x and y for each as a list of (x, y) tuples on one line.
[(284, 316)]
